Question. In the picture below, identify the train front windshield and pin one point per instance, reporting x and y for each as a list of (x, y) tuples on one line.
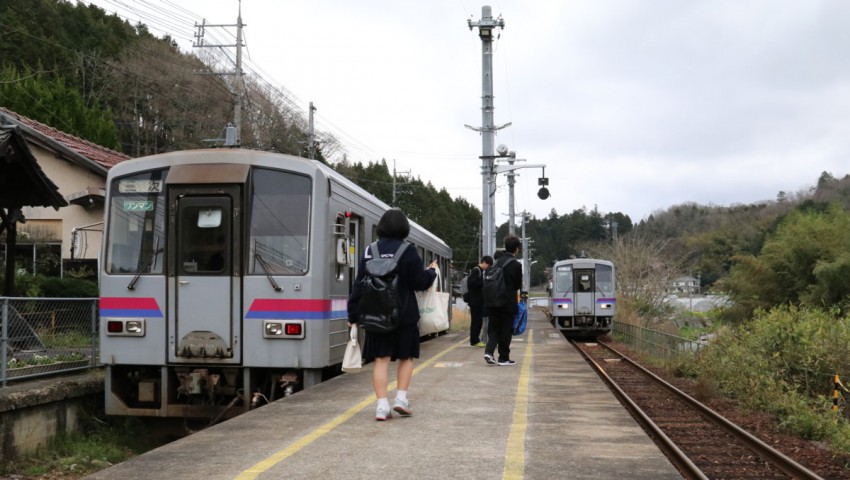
[(137, 224), (280, 223), (605, 278), (564, 279)]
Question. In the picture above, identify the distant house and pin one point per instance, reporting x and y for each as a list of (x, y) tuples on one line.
[(684, 284), (73, 233)]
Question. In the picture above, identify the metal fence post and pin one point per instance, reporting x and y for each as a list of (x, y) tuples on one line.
[(4, 339), (94, 305)]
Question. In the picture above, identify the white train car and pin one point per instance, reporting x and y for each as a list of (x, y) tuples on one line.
[(225, 277), (582, 299)]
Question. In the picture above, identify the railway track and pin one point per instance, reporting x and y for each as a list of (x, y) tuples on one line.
[(699, 442)]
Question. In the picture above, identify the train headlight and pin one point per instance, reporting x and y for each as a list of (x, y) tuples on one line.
[(605, 305), (135, 327), (283, 329), (273, 329), (564, 306)]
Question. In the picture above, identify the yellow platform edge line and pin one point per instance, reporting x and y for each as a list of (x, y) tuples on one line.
[(515, 452), (259, 468)]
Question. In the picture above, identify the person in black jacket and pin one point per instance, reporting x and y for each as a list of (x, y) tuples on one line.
[(500, 329), (401, 344), (476, 300)]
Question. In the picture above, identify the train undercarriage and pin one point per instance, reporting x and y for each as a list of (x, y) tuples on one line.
[(203, 391)]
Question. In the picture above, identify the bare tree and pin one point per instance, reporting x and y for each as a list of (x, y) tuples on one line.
[(645, 270)]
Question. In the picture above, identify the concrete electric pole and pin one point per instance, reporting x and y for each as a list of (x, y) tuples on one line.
[(486, 26), (312, 148), (235, 86)]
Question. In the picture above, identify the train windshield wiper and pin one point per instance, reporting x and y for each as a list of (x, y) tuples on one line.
[(268, 272), (151, 257)]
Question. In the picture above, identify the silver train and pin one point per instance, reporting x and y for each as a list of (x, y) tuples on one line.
[(225, 277), (581, 297)]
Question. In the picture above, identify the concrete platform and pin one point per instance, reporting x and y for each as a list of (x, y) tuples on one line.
[(548, 417)]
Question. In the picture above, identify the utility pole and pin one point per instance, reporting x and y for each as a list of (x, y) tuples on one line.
[(511, 201), (511, 183), (526, 256), (394, 184), (312, 149), (236, 87), (488, 131)]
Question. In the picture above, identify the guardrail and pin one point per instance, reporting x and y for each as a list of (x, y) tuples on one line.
[(655, 343), (44, 336)]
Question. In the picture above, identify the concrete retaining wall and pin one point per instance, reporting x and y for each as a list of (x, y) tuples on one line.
[(33, 413)]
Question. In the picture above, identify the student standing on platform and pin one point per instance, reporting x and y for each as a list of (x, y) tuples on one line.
[(502, 317), (476, 300), (401, 344)]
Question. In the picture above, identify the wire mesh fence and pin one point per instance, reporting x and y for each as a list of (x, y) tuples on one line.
[(655, 343), (43, 336)]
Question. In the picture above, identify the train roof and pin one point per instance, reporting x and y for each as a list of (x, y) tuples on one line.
[(583, 262)]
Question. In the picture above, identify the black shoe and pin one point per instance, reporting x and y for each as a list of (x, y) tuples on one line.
[(506, 363)]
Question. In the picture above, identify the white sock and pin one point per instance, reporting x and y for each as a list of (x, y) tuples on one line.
[(383, 402), (401, 395)]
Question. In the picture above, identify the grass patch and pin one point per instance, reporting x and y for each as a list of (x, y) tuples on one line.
[(36, 360), (66, 339), (460, 319), (98, 444)]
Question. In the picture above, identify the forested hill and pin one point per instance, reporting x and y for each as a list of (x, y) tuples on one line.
[(74, 67)]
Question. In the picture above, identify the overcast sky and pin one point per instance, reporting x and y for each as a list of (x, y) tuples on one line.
[(633, 106)]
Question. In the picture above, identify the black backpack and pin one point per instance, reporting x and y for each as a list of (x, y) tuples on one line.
[(464, 288), (378, 308), (496, 291)]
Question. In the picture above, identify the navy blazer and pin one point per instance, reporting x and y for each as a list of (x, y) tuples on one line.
[(475, 283), (412, 277)]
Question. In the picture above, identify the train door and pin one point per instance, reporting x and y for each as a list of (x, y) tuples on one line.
[(584, 286), (354, 250), (206, 319)]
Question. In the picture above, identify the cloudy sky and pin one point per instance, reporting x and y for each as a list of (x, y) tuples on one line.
[(633, 106)]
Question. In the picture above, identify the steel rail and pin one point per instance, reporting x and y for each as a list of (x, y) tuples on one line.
[(777, 458), (676, 456)]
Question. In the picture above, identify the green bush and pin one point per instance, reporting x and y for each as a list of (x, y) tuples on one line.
[(783, 363), (68, 287), (35, 286)]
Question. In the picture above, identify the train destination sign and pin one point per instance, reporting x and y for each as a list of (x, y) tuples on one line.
[(132, 185)]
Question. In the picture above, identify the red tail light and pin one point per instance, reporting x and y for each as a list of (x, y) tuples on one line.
[(293, 329), (115, 326)]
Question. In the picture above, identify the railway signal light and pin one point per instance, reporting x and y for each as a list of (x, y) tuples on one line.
[(543, 193)]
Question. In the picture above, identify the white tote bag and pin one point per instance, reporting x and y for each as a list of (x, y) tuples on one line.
[(433, 308), (352, 361)]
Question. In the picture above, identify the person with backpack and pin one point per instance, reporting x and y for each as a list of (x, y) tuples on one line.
[(402, 342), (501, 283), (475, 299)]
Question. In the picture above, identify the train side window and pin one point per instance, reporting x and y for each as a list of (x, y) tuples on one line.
[(339, 227), (280, 223)]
